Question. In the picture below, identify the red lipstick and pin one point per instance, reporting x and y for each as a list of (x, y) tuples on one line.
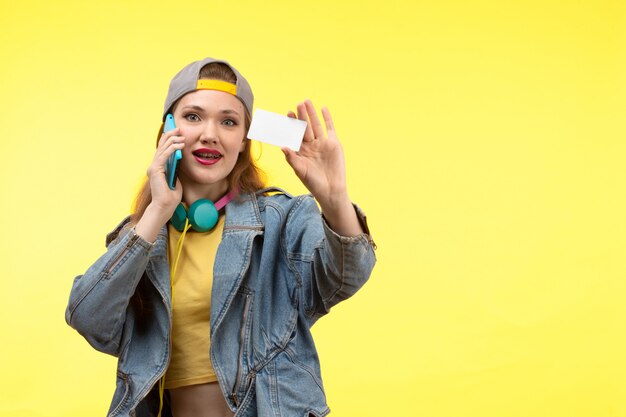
[(207, 156)]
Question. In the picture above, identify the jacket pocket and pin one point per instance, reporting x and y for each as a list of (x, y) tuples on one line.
[(243, 380)]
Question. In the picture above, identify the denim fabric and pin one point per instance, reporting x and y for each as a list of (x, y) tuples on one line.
[(278, 269)]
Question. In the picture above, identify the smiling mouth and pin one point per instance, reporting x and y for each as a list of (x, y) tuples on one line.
[(204, 155), (207, 157)]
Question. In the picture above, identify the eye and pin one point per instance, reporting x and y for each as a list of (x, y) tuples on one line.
[(192, 117), (229, 122)]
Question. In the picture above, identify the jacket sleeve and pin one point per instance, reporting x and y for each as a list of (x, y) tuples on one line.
[(332, 267), (99, 298)]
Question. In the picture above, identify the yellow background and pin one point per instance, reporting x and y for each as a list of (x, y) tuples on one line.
[(484, 139)]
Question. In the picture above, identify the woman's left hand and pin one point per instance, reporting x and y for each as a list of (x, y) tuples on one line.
[(320, 162), (321, 167)]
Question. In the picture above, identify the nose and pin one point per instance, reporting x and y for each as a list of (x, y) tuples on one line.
[(210, 133)]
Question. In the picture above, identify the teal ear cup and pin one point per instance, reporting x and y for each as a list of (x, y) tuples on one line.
[(202, 215), (178, 218)]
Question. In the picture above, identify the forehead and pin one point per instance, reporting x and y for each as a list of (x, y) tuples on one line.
[(212, 100)]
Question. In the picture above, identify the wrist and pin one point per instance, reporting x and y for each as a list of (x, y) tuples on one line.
[(159, 212), (335, 202), (342, 218), (151, 222)]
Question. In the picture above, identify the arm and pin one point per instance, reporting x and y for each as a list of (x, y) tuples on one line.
[(343, 257), (99, 298), (332, 267)]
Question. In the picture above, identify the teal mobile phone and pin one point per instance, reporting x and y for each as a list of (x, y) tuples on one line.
[(171, 166)]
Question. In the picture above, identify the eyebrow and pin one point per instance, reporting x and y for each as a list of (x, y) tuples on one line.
[(198, 108)]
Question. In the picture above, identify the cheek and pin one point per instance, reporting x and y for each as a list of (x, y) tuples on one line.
[(188, 133), (237, 141)]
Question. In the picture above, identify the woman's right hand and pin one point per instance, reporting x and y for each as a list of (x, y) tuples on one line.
[(164, 200)]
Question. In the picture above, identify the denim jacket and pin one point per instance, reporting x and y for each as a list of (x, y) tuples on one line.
[(278, 268)]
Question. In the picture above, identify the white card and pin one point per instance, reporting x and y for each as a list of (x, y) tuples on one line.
[(276, 129)]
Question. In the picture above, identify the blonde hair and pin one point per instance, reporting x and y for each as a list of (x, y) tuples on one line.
[(246, 175)]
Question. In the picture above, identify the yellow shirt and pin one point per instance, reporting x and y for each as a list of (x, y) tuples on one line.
[(190, 362)]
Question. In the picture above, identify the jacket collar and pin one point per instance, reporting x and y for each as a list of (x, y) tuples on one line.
[(241, 213)]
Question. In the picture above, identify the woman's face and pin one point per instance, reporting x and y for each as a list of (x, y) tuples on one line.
[(212, 123)]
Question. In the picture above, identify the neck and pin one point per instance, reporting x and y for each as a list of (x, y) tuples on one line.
[(213, 192)]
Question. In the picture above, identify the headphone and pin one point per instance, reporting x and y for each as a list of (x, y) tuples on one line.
[(202, 214)]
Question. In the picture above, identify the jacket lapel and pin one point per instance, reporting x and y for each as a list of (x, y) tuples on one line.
[(242, 225)]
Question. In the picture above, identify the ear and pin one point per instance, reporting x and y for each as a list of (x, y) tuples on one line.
[(243, 145)]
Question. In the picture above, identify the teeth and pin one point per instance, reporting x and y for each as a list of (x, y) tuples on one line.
[(208, 155)]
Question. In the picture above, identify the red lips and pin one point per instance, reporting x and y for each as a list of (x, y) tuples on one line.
[(207, 156)]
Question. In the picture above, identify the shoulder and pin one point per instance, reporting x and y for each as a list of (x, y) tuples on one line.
[(296, 217), (292, 205)]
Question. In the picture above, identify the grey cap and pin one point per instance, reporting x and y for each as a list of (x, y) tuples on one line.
[(186, 81)]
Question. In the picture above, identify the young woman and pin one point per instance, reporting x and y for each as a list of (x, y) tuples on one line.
[(214, 319)]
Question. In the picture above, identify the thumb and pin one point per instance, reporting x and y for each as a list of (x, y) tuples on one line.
[(295, 161)]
